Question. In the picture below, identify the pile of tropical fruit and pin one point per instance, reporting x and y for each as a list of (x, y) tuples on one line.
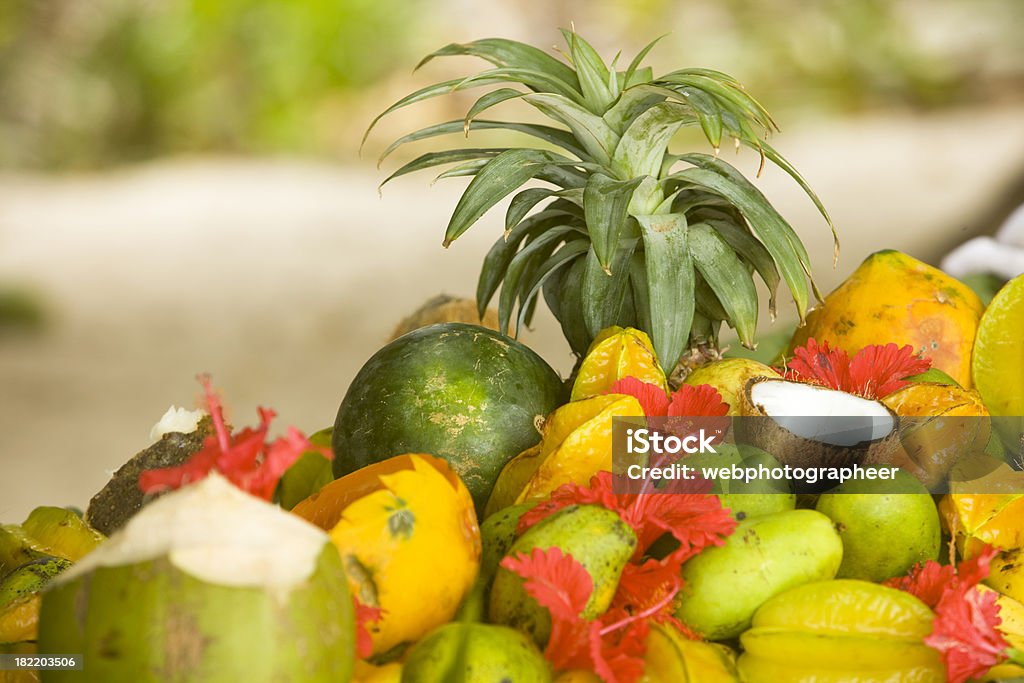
[(461, 520)]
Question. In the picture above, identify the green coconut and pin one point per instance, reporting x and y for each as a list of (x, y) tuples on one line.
[(205, 585)]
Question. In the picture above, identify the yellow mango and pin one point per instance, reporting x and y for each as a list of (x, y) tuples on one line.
[(893, 297), (617, 353)]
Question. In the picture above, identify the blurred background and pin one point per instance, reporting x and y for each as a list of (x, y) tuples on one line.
[(181, 188)]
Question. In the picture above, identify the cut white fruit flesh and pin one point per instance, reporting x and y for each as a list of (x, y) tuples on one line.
[(178, 420), (218, 534), (798, 407)]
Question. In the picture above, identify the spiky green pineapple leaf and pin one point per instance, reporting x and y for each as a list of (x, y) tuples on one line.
[(670, 285), (643, 145), (770, 227), (488, 100), (605, 206), (508, 53), (728, 278), (530, 256), (501, 176), (629, 78), (593, 133), (448, 156), (603, 292), (549, 134), (499, 256), (594, 77), (524, 202), (753, 252), (529, 289), (539, 81)]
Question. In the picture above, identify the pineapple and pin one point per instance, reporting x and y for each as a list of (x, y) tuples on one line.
[(623, 231)]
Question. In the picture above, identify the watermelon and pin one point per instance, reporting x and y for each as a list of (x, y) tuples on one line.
[(464, 393)]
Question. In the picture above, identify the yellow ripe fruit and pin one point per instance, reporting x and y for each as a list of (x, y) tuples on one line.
[(673, 658), (368, 673), (895, 298), (577, 443), (577, 676), (617, 353), (993, 518), (19, 620), (932, 444), (409, 540)]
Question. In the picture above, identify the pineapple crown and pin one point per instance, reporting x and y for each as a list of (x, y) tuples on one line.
[(625, 232)]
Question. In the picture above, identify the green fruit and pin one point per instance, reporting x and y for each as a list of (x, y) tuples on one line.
[(30, 578), (763, 557), (16, 549), (595, 537), (887, 526), (497, 534), (460, 392), (759, 496), (205, 585), (489, 654), (729, 376), (61, 532)]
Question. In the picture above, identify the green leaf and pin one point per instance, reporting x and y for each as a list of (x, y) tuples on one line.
[(753, 252), (593, 74), (502, 174), (528, 290), (496, 261), (555, 136), (448, 156), (307, 475), (771, 228), (469, 168), (670, 285), (643, 145), (728, 278), (634, 101), (570, 308), (502, 52), (784, 164), (635, 64), (639, 286), (728, 92), (592, 132), (434, 90), (540, 81), (488, 100), (605, 205), (523, 203), (530, 256), (603, 292)]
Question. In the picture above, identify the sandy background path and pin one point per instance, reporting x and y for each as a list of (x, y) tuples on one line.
[(281, 278)]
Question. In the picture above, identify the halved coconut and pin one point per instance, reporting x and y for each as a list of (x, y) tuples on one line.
[(206, 584), (804, 425)]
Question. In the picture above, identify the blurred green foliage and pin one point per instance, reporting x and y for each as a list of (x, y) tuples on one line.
[(89, 83)]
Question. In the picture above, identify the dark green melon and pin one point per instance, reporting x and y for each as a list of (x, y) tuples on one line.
[(461, 392)]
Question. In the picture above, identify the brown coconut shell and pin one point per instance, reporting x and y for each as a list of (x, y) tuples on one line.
[(446, 309), (799, 451)]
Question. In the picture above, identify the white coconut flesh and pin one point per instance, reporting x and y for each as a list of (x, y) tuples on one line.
[(215, 532), (178, 420), (799, 409)]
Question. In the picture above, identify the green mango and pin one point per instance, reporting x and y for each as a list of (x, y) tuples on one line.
[(761, 496), (30, 578), (724, 586), (61, 533), (595, 537), (887, 526), (475, 653), (497, 534)]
